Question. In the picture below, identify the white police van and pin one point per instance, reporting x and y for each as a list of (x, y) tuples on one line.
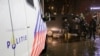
[(22, 30)]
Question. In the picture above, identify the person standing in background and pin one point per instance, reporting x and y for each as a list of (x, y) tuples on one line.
[(92, 27)]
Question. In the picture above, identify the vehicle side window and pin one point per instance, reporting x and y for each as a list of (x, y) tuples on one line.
[(30, 2)]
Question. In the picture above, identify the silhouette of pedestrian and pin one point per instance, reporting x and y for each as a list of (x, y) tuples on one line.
[(92, 27)]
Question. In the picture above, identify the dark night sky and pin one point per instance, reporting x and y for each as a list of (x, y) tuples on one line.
[(76, 5)]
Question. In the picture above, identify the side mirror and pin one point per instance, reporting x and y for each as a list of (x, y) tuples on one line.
[(48, 17), (45, 19)]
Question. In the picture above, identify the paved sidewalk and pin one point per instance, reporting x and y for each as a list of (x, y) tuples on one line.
[(88, 47)]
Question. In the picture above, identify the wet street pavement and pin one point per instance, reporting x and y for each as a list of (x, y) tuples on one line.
[(89, 47)]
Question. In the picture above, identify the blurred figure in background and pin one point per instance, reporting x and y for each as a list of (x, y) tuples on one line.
[(83, 28), (92, 26)]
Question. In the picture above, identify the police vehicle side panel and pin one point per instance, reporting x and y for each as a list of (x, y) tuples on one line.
[(17, 26), (5, 30)]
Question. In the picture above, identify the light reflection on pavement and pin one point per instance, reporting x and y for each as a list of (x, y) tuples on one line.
[(97, 46), (81, 48)]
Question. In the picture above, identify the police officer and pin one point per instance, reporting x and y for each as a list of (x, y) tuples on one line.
[(92, 27)]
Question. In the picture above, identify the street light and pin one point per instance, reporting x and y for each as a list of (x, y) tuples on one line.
[(95, 8)]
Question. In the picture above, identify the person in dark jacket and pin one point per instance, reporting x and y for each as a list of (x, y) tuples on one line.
[(92, 27), (83, 28)]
